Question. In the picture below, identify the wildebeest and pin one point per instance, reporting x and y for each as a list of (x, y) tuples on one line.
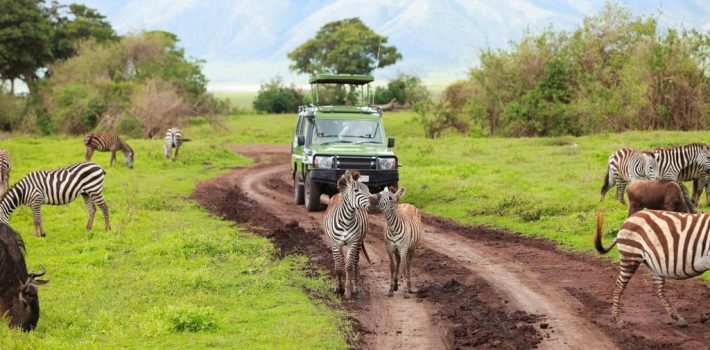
[(656, 194), (18, 288)]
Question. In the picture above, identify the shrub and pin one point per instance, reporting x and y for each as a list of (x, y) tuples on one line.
[(192, 319), (275, 97), (404, 89)]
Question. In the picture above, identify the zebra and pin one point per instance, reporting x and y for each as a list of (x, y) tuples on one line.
[(672, 245), (4, 171), (624, 166), (105, 142), (683, 163), (346, 224), (57, 187), (404, 229), (173, 139)]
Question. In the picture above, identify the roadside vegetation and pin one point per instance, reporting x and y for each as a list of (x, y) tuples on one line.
[(168, 275)]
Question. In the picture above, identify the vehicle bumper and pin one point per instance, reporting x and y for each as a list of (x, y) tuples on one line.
[(377, 178)]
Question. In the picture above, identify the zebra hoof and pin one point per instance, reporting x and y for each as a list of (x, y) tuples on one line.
[(682, 323), (704, 317), (620, 325), (406, 295)]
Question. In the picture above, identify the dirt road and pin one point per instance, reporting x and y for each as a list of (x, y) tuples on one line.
[(478, 288)]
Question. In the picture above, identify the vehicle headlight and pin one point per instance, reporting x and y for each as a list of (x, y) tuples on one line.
[(388, 163), (323, 161)]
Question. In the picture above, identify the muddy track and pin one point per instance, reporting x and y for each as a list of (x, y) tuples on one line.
[(478, 288)]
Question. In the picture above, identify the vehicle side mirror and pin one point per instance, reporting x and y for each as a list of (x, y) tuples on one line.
[(390, 142), (301, 140)]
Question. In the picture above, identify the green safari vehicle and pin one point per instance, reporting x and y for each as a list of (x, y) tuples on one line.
[(346, 132)]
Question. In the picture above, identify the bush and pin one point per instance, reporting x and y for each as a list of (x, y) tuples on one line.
[(12, 109), (275, 97), (192, 319), (404, 89)]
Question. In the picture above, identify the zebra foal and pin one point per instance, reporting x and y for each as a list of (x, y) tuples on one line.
[(107, 142), (173, 139), (670, 244), (346, 224), (624, 166), (404, 229), (57, 187)]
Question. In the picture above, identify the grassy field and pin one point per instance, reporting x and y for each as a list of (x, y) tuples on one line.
[(545, 187), (168, 275), (240, 99)]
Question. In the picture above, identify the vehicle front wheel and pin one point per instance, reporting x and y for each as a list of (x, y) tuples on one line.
[(312, 194), (297, 190)]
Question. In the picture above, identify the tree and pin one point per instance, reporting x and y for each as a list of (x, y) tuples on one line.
[(24, 41), (79, 24), (345, 46), (275, 97)]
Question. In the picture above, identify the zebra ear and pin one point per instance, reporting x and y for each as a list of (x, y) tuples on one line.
[(344, 181), (400, 193), (355, 175)]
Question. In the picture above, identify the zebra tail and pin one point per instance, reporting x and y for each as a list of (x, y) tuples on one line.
[(606, 186), (186, 140), (364, 252), (598, 237)]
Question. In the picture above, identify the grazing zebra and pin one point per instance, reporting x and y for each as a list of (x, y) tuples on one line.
[(670, 244), (346, 224), (624, 166), (173, 139), (105, 142), (404, 229), (57, 187), (683, 163), (4, 171)]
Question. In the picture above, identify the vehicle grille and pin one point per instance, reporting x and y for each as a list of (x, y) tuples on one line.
[(347, 162)]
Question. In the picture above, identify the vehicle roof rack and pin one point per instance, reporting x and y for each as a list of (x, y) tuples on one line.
[(354, 79)]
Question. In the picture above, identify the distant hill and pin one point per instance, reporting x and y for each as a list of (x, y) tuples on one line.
[(245, 42)]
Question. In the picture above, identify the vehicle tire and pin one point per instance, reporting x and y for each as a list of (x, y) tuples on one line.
[(312, 194), (297, 190)]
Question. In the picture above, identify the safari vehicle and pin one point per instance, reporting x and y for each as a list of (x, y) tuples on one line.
[(339, 131)]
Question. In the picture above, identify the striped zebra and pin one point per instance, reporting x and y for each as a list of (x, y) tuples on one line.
[(404, 229), (4, 171), (624, 166), (670, 244), (57, 187), (684, 163), (346, 224), (173, 139), (105, 142)]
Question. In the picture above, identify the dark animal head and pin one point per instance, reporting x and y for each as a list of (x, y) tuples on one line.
[(18, 288), (129, 158)]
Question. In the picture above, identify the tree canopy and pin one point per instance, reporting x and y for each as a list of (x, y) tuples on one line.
[(345, 46)]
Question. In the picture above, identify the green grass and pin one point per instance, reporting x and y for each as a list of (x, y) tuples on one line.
[(240, 99), (544, 187), (168, 275)]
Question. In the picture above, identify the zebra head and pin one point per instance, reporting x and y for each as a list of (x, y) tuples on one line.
[(389, 197), (129, 158), (355, 194), (650, 166)]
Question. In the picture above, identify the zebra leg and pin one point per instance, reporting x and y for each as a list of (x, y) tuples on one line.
[(113, 158), (168, 151), (37, 218), (356, 272), (350, 262), (620, 189), (92, 210), (627, 268), (99, 200), (406, 258), (177, 149), (393, 271), (397, 261), (89, 153), (660, 282), (338, 260)]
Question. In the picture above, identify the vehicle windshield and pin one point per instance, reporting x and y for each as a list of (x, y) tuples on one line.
[(358, 131)]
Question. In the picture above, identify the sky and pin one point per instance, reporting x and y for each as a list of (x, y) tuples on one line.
[(244, 43)]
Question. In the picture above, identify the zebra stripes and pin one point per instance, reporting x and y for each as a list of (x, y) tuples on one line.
[(670, 244), (404, 229), (346, 224), (624, 166), (4, 171), (106, 142), (173, 139), (57, 187)]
